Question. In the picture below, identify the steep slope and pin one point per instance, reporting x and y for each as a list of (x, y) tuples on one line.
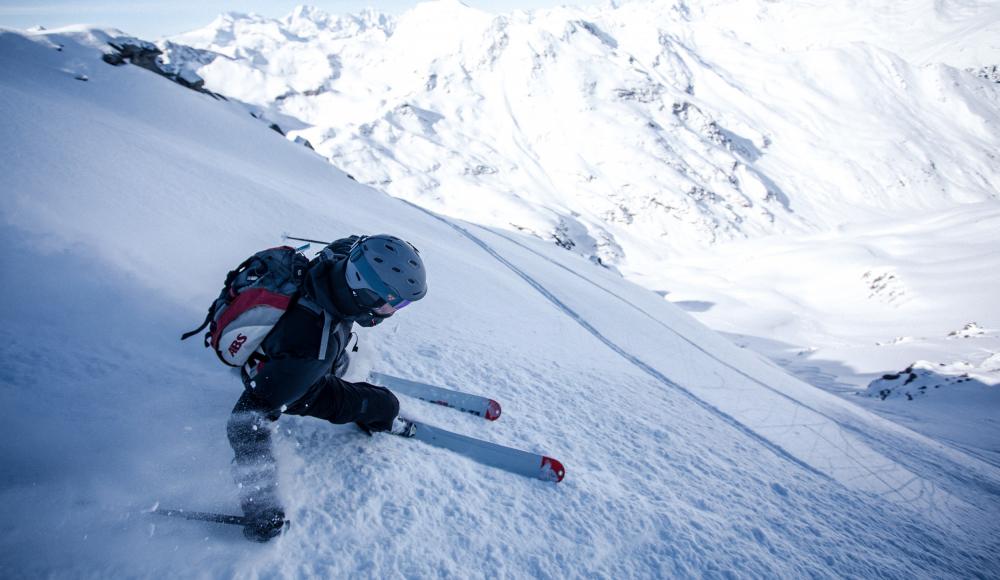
[(681, 142), (126, 199)]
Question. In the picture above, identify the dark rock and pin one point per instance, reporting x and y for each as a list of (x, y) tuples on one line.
[(147, 55), (990, 73), (644, 94), (604, 37), (480, 170), (140, 53), (113, 58)]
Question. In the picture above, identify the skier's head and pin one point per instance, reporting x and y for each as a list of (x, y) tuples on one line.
[(384, 274)]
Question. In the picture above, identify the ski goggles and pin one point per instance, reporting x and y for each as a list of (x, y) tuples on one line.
[(369, 300)]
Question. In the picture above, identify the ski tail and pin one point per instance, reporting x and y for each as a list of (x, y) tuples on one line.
[(556, 472)]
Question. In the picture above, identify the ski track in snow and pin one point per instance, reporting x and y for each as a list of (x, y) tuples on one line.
[(896, 447), (926, 493), (578, 530), (646, 368)]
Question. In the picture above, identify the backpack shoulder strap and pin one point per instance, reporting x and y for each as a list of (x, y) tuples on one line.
[(324, 342), (208, 320)]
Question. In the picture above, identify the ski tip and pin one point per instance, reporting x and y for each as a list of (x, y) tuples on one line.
[(492, 410), (552, 469)]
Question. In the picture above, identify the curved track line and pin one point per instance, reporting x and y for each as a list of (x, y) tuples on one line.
[(646, 368), (957, 475)]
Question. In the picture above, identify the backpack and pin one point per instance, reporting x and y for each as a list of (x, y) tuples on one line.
[(254, 297)]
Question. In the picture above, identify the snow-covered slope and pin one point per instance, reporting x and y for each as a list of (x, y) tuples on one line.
[(841, 309), (658, 137), (127, 197)]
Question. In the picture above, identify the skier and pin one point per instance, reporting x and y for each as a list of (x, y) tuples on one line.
[(357, 279)]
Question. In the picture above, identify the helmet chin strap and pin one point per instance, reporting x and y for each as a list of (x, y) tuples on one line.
[(368, 320)]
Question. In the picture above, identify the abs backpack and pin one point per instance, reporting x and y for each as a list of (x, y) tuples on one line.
[(254, 297)]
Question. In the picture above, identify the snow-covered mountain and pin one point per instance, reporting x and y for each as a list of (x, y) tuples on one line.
[(632, 132), (126, 199), (819, 179)]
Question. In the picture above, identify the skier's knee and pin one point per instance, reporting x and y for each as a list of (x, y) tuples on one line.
[(387, 404), (236, 427), (247, 432), (379, 406), (393, 403)]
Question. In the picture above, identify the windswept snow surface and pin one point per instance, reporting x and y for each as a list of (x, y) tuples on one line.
[(125, 200), (845, 150)]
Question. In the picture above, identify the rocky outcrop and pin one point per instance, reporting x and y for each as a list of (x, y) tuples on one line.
[(990, 73), (147, 55)]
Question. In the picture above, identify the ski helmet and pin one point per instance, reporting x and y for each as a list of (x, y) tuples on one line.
[(385, 273)]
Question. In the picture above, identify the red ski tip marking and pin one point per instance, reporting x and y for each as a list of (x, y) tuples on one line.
[(552, 469), (493, 411)]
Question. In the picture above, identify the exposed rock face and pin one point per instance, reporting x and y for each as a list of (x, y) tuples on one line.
[(990, 73), (148, 56), (304, 142), (921, 378)]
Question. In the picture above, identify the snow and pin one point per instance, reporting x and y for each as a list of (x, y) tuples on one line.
[(866, 301), (819, 179), (956, 402), (128, 197)]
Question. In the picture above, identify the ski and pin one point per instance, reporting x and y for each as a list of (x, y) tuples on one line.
[(202, 516), (491, 454), (465, 402)]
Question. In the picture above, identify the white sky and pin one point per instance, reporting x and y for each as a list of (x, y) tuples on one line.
[(150, 19)]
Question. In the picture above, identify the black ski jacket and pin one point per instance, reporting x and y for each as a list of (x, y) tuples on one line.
[(299, 374), (297, 352)]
